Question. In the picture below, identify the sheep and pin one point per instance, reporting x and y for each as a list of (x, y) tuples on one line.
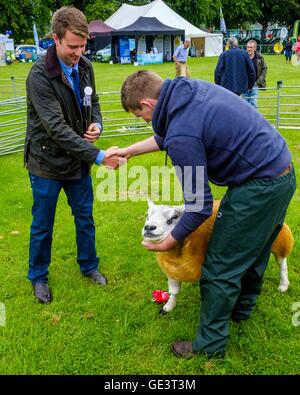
[(183, 263)]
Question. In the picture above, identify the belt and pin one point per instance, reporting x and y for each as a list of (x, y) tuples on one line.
[(286, 171)]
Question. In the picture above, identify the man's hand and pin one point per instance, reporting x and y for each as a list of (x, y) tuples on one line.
[(121, 152), (112, 159), (92, 134), (165, 245), (112, 162)]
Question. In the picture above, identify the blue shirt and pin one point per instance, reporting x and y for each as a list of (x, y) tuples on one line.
[(67, 70), (181, 53)]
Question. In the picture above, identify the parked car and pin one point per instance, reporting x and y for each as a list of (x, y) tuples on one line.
[(27, 49), (103, 55)]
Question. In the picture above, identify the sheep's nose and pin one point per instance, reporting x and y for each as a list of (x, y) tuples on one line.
[(150, 227)]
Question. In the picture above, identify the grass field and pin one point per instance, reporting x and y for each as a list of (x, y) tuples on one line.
[(117, 329)]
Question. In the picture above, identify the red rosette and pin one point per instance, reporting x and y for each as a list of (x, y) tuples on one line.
[(160, 296)]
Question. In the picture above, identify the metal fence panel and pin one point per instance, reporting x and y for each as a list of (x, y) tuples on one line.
[(280, 105)]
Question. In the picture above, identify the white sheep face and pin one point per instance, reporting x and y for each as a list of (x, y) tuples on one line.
[(160, 221)]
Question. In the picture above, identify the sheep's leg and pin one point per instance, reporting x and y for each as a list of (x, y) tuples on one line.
[(284, 278), (174, 289)]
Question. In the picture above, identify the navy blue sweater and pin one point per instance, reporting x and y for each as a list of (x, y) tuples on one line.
[(204, 126), (235, 71)]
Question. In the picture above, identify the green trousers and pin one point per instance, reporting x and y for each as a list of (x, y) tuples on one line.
[(249, 219)]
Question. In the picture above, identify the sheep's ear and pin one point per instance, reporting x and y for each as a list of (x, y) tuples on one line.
[(179, 209), (150, 203)]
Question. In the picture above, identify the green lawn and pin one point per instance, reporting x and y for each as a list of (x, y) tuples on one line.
[(117, 329)]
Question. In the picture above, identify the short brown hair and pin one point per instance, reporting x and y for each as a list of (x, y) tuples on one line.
[(69, 18), (138, 86)]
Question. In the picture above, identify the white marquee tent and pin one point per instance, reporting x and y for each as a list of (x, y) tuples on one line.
[(208, 44)]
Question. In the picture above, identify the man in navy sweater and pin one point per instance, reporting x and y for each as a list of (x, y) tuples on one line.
[(235, 70), (204, 126)]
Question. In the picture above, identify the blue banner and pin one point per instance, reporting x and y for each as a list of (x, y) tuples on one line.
[(150, 58), (124, 50)]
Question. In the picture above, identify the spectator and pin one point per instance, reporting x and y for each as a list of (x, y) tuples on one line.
[(235, 70), (133, 55), (260, 71), (180, 59), (288, 50), (59, 147), (297, 48)]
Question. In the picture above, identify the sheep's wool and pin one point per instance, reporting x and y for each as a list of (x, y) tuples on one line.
[(184, 262)]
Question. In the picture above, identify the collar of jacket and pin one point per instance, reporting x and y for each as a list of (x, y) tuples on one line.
[(258, 55), (52, 64)]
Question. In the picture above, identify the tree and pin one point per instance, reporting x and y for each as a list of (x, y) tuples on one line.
[(240, 12), (19, 16), (100, 9), (284, 13), (201, 12)]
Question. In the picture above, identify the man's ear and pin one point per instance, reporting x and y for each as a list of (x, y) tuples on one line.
[(55, 37), (149, 102)]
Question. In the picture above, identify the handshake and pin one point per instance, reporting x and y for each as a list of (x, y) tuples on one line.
[(115, 157)]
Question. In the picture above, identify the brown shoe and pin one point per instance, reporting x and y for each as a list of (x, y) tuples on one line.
[(183, 349)]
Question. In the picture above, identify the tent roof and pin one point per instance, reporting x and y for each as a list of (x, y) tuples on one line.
[(144, 26), (128, 14), (98, 26)]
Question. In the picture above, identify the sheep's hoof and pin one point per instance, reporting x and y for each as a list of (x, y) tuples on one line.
[(283, 287), (162, 311)]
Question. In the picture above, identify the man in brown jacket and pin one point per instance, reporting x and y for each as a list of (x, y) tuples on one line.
[(260, 70)]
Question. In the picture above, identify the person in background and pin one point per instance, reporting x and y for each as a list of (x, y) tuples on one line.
[(59, 149), (261, 68), (180, 58), (297, 48), (288, 50), (235, 70)]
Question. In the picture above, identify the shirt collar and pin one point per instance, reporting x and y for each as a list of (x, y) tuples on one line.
[(67, 69)]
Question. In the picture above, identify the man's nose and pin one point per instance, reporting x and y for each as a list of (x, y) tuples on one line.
[(78, 51), (150, 227)]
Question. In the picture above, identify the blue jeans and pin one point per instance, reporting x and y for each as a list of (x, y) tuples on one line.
[(80, 198), (251, 96)]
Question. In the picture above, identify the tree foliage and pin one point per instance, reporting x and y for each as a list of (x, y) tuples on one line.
[(201, 12), (19, 15), (284, 12), (239, 13), (101, 9)]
